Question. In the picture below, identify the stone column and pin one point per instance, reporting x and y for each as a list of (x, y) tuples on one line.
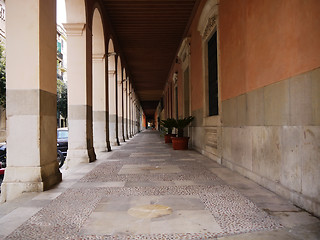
[(135, 116), (125, 107), (112, 108), (99, 103), (120, 105), (108, 143), (130, 110), (80, 148), (31, 98)]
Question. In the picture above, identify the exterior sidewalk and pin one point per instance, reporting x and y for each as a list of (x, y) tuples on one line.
[(145, 190)]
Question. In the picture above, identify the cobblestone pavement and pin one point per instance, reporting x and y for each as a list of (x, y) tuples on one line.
[(146, 190)]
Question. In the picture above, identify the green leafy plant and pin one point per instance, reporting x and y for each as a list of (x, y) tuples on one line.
[(62, 99), (170, 123), (2, 76), (182, 123)]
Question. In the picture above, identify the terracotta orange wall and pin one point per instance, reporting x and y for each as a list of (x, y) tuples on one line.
[(266, 41), (180, 90), (144, 120), (156, 119), (196, 74)]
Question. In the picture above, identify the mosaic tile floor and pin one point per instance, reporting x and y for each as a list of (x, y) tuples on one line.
[(146, 190)]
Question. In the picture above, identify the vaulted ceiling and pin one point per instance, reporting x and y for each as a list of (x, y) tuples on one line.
[(149, 33)]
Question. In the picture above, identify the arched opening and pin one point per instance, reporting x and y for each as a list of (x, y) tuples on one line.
[(99, 103), (62, 86), (113, 125)]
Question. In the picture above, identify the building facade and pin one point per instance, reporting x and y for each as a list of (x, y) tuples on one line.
[(62, 81), (249, 73), (3, 43)]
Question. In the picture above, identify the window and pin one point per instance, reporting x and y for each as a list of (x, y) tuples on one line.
[(208, 26), (213, 76)]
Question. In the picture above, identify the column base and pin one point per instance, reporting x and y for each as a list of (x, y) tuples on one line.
[(101, 146), (76, 156), (116, 142), (29, 179), (108, 148)]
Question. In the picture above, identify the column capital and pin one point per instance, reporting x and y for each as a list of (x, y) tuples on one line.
[(74, 29), (98, 57)]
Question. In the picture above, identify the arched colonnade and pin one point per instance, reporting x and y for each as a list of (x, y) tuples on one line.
[(101, 99)]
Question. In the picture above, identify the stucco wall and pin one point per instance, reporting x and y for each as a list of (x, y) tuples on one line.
[(196, 71), (266, 41)]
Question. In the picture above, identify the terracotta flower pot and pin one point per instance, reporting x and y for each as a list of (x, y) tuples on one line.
[(180, 143), (167, 138)]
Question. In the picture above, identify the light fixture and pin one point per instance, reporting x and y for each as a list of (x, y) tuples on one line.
[(175, 77), (125, 80), (111, 54)]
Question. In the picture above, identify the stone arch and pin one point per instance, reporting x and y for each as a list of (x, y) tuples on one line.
[(98, 46), (208, 18)]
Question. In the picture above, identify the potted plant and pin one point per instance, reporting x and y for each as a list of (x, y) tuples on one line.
[(170, 123), (181, 142)]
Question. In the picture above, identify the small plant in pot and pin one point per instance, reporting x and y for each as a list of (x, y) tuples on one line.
[(181, 142), (170, 123)]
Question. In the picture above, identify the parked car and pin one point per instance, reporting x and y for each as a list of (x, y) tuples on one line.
[(62, 147), (3, 160), (62, 144), (62, 140)]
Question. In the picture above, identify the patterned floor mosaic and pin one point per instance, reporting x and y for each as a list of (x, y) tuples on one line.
[(107, 202)]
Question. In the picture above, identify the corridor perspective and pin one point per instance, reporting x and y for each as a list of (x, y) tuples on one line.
[(146, 190), (246, 74)]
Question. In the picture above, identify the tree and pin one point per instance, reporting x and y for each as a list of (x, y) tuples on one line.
[(62, 99), (2, 76)]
